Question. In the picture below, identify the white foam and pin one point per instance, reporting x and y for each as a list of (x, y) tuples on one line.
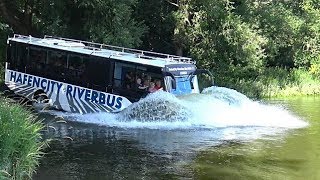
[(216, 107)]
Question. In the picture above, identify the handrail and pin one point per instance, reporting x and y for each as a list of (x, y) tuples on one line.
[(139, 53)]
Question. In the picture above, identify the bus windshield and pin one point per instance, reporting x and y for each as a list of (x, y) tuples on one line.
[(180, 79), (182, 85)]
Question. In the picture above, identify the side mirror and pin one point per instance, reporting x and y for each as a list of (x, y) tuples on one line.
[(191, 82), (204, 71)]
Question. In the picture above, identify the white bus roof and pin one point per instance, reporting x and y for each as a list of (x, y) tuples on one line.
[(107, 51)]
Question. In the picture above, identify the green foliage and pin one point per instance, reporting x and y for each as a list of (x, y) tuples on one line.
[(158, 16), (5, 30), (220, 40), (107, 21), (240, 40), (278, 82), (314, 68), (19, 142), (110, 21)]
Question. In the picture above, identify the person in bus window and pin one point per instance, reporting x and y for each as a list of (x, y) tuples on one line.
[(139, 85), (148, 78), (158, 85), (128, 80), (152, 88), (71, 67), (146, 82)]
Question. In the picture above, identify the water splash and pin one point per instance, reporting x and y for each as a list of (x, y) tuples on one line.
[(231, 96), (156, 107), (215, 107)]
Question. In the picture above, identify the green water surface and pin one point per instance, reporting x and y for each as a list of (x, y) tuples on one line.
[(293, 155)]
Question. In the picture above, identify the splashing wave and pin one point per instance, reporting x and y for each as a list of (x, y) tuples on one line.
[(215, 107)]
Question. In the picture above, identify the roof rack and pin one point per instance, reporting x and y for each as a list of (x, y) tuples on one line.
[(23, 37), (97, 46)]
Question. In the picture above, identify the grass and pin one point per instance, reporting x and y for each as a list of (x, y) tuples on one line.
[(20, 141), (278, 82)]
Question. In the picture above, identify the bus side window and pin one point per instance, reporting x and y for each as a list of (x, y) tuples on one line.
[(19, 56), (76, 63), (97, 73), (124, 76), (9, 54), (37, 59), (76, 69), (57, 64), (57, 59)]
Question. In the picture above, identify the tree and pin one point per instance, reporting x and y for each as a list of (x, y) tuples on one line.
[(107, 21), (110, 21), (220, 40), (5, 30), (158, 16), (18, 14)]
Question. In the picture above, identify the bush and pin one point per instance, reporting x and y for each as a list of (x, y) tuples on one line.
[(275, 82), (20, 141)]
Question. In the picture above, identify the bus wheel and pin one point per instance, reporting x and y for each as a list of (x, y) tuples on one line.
[(40, 100)]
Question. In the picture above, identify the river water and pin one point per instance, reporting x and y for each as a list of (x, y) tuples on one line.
[(218, 135)]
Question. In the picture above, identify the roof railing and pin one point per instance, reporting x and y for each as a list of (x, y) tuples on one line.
[(140, 53)]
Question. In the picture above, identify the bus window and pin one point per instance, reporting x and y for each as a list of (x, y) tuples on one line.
[(37, 60), (19, 55), (57, 59), (22, 56), (75, 63), (97, 73), (124, 75), (76, 67), (57, 64), (151, 76), (9, 55), (133, 81)]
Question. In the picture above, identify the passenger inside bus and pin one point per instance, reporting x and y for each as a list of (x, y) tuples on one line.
[(136, 83), (139, 85), (128, 80), (158, 85), (152, 88), (146, 83), (146, 80)]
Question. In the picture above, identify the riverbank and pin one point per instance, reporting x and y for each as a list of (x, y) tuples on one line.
[(20, 141), (277, 82)]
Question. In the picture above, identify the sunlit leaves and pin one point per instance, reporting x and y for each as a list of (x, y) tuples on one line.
[(241, 38)]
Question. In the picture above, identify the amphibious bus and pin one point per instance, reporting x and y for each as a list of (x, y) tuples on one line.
[(86, 77)]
